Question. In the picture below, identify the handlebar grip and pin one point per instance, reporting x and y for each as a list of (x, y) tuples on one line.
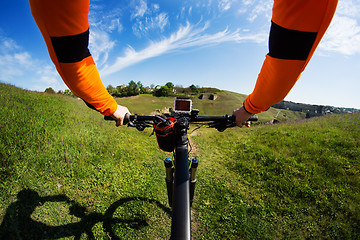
[(109, 118), (253, 118), (126, 119)]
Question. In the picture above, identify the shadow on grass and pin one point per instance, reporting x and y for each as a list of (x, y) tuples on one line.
[(19, 224)]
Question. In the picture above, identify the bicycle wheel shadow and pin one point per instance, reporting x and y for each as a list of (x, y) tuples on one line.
[(18, 222)]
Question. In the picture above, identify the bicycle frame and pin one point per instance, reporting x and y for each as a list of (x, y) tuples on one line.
[(179, 185)]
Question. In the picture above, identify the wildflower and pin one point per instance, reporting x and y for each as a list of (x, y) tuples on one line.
[(80, 144), (70, 161), (17, 134)]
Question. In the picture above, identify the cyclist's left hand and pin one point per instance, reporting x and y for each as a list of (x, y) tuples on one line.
[(242, 116), (119, 114)]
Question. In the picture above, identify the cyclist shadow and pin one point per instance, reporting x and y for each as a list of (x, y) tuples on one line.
[(18, 222)]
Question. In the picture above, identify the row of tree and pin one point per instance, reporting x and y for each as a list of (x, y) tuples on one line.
[(133, 89), (66, 92)]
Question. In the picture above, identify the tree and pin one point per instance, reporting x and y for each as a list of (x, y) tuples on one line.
[(170, 85), (194, 88), (132, 89), (163, 91), (69, 93), (141, 88), (50, 90), (111, 89)]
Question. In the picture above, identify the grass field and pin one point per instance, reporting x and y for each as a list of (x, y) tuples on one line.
[(225, 103), (65, 173), (287, 181)]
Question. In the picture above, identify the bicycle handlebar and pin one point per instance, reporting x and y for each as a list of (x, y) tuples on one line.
[(253, 118), (218, 122)]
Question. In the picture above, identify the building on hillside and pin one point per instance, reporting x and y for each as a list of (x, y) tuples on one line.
[(208, 96)]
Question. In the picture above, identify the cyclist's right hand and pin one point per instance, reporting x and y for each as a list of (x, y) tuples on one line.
[(241, 116), (119, 114)]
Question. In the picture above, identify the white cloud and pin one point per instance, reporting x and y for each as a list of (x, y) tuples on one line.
[(104, 19), (18, 67), (147, 24), (7, 45), (186, 37), (100, 45), (161, 21), (115, 25), (48, 77), (349, 8), (343, 34), (262, 8), (156, 7), (140, 9), (224, 5), (103, 23), (147, 19), (14, 64)]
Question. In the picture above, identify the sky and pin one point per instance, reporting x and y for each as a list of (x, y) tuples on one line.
[(209, 43)]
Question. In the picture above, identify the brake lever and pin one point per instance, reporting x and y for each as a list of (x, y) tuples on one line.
[(140, 126), (221, 126)]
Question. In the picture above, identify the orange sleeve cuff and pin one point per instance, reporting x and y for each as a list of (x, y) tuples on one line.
[(276, 78), (84, 81)]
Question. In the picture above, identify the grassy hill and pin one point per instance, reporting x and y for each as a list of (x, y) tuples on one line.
[(225, 103), (65, 173)]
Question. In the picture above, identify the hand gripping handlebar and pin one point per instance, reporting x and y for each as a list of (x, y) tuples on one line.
[(218, 122)]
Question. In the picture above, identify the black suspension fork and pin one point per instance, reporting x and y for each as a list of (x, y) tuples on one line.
[(194, 165), (169, 179), (181, 222)]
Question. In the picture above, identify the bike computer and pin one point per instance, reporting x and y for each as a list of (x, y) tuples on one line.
[(182, 105)]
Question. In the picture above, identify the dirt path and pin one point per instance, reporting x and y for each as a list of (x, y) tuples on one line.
[(192, 144), (194, 224)]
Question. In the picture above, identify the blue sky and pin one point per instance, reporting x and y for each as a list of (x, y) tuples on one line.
[(210, 43)]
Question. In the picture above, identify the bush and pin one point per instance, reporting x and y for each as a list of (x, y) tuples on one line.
[(50, 90), (163, 91)]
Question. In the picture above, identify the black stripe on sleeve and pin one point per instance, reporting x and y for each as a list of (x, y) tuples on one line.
[(290, 44), (69, 49)]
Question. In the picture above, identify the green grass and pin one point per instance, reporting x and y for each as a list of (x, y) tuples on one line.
[(289, 181), (55, 146), (225, 103), (65, 173)]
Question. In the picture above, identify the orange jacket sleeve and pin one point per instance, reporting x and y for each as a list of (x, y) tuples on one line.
[(296, 30), (65, 28)]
